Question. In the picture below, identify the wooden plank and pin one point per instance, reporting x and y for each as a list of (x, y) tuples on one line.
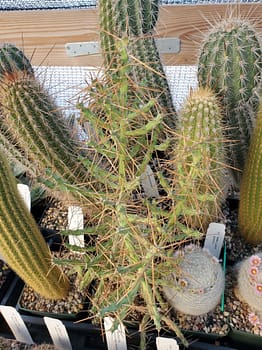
[(43, 34)]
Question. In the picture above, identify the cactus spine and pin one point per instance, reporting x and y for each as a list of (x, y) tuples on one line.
[(21, 243), (230, 63), (197, 283), (250, 211), (198, 159), (249, 284)]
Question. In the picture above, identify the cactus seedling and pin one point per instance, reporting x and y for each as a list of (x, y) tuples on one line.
[(230, 63), (196, 286), (21, 243), (198, 159), (249, 286)]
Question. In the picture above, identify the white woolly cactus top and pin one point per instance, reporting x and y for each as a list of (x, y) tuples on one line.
[(249, 287), (197, 284)]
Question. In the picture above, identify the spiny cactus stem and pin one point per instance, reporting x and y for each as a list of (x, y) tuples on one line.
[(21, 243)]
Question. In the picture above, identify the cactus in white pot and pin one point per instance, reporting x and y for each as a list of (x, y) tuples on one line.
[(197, 284)]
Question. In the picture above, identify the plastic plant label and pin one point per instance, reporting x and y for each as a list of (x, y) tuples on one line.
[(25, 194), (215, 238), (149, 184), (166, 344), (58, 333), (116, 340), (16, 324), (76, 222)]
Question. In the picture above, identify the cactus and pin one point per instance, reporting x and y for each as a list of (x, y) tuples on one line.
[(196, 286), (21, 243), (198, 159), (33, 123), (249, 285), (250, 211), (230, 63), (135, 20), (12, 60)]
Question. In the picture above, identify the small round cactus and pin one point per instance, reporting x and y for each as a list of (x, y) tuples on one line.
[(249, 286), (197, 284)]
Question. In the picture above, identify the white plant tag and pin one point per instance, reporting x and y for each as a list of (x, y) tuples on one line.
[(115, 340), (25, 194), (16, 324), (149, 184), (215, 238), (58, 333), (166, 344), (76, 222)]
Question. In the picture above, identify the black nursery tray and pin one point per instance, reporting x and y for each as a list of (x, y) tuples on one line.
[(245, 340)]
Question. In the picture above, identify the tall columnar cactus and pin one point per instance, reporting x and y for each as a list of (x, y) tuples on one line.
[(21, 243), (230, 63), (249, 285), (195, 287), (198, 160), (135, 21), (250, 210)]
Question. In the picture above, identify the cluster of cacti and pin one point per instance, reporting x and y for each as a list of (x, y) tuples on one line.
[(22, 244), (250, 211), (196, 285), (132, 118), (249, 286), (198, 158), (230, 63)]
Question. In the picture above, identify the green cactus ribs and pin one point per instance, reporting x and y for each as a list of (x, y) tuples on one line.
[(198, 160), (250, 209), (21, 243), (12, 60), (134, 22), (230, 63)]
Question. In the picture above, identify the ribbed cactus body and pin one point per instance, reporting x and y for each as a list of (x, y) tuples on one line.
[(250, 209), (35, 125), (198, 159), (230, 63), (197, 283), (135, 20), (249, 282), (12, 59), (21, 243)]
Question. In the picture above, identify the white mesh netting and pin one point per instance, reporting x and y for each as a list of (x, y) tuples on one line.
[(65, 83)]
